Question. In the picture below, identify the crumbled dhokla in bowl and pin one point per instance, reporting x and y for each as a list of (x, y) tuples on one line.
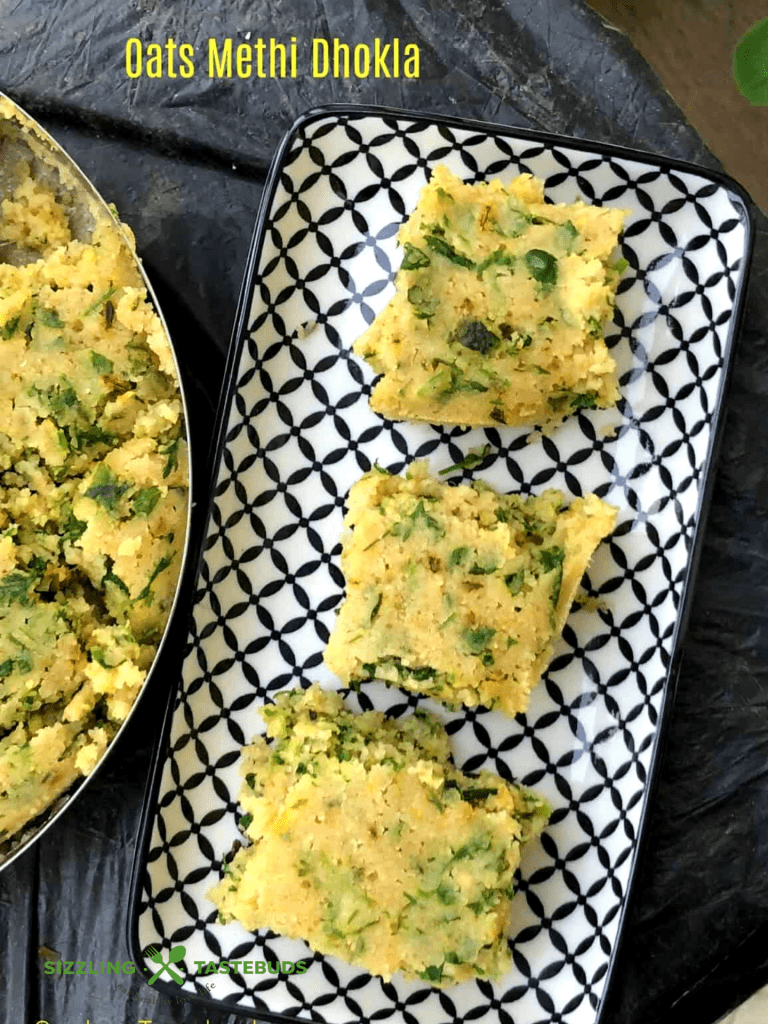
[(458, 592), (93, 503), (500, 305), (369, 844)]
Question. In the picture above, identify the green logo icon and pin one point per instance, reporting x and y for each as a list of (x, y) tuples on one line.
[(176, 954), (750, 64)]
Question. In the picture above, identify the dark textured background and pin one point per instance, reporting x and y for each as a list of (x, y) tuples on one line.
[(184, 161)]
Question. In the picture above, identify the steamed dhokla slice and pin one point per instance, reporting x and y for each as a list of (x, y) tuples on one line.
[(370, 845), (499, 310), (458, 592)]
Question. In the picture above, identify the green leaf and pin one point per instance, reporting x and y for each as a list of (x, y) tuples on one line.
[(472, 458), (499, 257), (145, 500), (514, 582), (542, 266), (550, 558), (100, 301), (442, 248), (474, 335), (414, 258), (457, 557), (245, 821), (101, 364), (424, 304), (14, 588), (114, 579), (477, 640), (50, 318), (162, 565), (105, 488), (172, 451), (566, 234), (750, 64), (432, 973), (478, 795), (9, 328)]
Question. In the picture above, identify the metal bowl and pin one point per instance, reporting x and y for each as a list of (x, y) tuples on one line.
[(21, 136)]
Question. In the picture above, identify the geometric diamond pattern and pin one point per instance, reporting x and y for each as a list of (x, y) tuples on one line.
[(299, 432)]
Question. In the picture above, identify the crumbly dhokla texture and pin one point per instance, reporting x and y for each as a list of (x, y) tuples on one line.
[(499, 310), (458, 592), (93, 503), (370, 845)]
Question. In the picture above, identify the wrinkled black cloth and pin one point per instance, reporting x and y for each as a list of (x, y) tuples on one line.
[(185, 161)]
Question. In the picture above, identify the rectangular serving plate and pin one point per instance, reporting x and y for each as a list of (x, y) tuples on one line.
[(296, 431)]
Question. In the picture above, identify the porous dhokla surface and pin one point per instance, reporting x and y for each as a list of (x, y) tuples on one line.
[(93, 502), (366, 842), (499, 311), (458, 592)]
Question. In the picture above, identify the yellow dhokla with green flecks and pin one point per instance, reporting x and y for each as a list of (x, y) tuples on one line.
[(458, 592), (93, 503), (370, 845), (500, 307)]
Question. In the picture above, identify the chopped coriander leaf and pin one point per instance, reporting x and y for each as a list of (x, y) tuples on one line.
[(477, 640), (474, 335), (550, 558), (50, 318), (100, 363), (498, 258), (162, 565), (106, 489), (542, 266), (414, 258), (472, 458), (245, 821), (114, 579), (144, 501), (9, 328), (172, 451), (477, 795), (442, 248), (424, 305), (514, 582), (99, 302)]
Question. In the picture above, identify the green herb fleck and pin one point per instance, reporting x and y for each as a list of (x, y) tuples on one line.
[(100, 363), (49, 318), (105, 488), (245, 821), (477, 640), (514, 582), (424, 305), (474, 335), (414, 258), (542, 266), (145, 500), (473, 457), (162, 565), (442, 248)]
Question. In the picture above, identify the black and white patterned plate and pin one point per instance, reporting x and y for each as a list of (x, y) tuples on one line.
[(297, 431)]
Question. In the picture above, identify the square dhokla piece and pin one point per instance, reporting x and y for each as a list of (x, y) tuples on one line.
[(499, 309), (458, 592), (370, 845)]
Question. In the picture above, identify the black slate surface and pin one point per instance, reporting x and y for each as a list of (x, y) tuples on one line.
[(184, 160)]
